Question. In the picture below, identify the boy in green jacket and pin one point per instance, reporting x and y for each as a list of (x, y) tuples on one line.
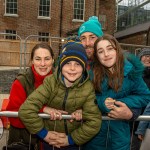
[(68, 89)]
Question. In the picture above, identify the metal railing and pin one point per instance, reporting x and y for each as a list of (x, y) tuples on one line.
[(46, 116)]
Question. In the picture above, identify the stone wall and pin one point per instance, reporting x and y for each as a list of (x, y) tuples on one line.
[(6, 79)]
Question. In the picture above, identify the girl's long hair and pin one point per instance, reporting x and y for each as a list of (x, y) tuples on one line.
[(101, 72)]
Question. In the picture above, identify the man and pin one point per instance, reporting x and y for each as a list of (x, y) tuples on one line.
[(88, 33), (144, 56)]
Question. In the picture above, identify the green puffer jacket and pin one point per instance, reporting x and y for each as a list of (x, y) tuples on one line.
[(55, 94)]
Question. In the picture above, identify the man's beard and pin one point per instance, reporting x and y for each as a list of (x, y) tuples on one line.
[(90, 54)]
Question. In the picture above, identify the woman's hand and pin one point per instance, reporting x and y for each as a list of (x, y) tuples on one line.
[(141, 137), (109, 103), (55, 114)]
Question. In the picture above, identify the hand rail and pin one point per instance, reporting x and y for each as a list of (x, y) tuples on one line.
[(46, 116)]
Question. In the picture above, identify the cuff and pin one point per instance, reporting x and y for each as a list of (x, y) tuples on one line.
[(136, 113), (70, 140), (42, 134)]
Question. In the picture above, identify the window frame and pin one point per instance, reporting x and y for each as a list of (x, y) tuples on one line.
[(9, 13), (43, 39), (44, 17), (103, 21), (78, 19), (11, 37)]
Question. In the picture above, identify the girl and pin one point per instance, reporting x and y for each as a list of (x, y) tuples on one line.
[(116, 78)]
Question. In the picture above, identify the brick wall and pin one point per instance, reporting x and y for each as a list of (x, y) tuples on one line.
[(27, 23), (138, 39)]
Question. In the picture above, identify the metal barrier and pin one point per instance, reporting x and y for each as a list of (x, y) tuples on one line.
[(132, 48), (4, 135), (46, 116)]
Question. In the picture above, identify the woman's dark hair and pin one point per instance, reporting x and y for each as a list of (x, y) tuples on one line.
[(101, 72), (41, 45)]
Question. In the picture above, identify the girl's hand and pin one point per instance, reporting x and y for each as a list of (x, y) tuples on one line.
[(109, 103)]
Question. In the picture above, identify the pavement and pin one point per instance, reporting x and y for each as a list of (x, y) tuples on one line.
[(4, 139)]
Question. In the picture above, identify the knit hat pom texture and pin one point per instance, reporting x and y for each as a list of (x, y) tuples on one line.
[(92, 25)]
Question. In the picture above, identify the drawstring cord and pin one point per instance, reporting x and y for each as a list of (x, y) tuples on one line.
[(108, 134)]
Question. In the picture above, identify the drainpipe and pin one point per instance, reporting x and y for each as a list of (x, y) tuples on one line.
[(95, 9), (60, 27), (148, 37)]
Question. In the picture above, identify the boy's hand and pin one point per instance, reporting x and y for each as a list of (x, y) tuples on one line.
[(61, 141), (56, 139), (55, 114), (76, 115)]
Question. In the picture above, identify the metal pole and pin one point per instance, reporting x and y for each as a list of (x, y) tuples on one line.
[(46, 116)]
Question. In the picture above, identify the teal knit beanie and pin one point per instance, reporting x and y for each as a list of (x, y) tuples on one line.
[(92, 25)]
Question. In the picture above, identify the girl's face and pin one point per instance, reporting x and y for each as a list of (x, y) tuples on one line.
[(71, 72), (106, 54), (42, 61)]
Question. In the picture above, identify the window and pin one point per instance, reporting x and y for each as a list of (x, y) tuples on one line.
[(79, 9), (44, 8), (13, 36), (102, 19), (44, 37), (11, 7), (123, 24)]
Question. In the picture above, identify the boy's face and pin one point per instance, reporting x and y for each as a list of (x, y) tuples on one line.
[(71, 72)]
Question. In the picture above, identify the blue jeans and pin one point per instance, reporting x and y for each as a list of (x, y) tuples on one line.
[(70, 147)]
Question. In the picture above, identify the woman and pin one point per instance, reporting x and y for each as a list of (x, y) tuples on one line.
[(42, 59), (116, 78)]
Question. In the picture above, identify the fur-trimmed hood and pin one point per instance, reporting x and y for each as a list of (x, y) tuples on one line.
[(133, 66)]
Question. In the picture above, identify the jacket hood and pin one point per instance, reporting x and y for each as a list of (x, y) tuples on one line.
[(133, 66)]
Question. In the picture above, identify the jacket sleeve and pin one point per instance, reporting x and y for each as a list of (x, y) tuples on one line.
[(139, 97), (16, 99), (17, 96), (28, 112), (143, 125), (91, 121)]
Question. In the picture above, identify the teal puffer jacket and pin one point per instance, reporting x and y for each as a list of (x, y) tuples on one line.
[(115, 135), (55, 94)]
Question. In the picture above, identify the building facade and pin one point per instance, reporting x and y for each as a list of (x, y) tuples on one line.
[(133, 22), (49, 21)]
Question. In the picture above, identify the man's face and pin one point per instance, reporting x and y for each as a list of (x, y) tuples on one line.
[(88, 39)]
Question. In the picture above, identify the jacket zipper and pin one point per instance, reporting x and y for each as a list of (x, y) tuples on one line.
[(63, 106)]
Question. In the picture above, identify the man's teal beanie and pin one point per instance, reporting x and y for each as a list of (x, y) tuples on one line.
[(92, 25)]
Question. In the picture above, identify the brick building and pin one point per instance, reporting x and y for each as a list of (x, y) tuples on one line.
[(49, 18), (133, 22)]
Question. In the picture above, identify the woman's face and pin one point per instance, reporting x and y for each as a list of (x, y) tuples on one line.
[(146, 60), (106, 54), (42, 61)]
